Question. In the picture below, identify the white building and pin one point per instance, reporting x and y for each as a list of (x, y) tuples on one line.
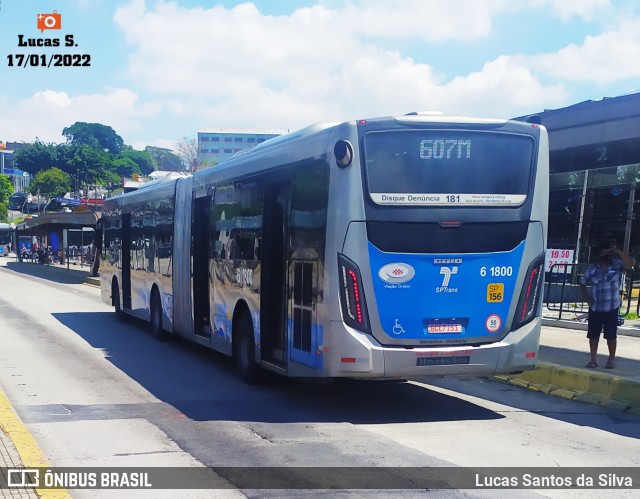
[(216, 145)]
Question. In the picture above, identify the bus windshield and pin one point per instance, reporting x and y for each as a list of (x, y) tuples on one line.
[(448, 167)]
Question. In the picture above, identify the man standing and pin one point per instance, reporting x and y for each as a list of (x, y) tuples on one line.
[(604, 278)]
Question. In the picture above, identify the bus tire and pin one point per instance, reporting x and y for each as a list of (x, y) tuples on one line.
[(155, 319), (115, 301), (246, 350)]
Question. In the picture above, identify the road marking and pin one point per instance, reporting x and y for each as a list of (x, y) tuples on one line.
[(26, 445)]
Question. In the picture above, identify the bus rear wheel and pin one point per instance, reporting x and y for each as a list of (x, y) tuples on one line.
[(115, 300), (156, 316), (245, 350)]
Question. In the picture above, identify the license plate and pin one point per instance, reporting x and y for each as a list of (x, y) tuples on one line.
[(443, 361), (444, 328)]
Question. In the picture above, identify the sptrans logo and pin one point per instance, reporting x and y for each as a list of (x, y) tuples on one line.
[(396, 273), (49, 21)]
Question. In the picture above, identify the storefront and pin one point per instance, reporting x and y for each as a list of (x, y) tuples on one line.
[(595, 171)]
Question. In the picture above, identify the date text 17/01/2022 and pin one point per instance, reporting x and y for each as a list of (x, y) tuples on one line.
[(48, 60)]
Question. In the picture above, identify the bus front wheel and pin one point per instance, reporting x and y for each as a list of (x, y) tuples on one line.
[(246, 350)]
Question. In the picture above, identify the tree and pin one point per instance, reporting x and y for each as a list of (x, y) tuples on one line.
[(125, 167), (95, 135), (142, 159), (164, 159), (92, 166), (4, 213), (187, 149), (6, 189), (51, 183), (36, 157)]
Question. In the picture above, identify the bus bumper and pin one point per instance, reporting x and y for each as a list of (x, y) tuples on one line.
[(360, 356)]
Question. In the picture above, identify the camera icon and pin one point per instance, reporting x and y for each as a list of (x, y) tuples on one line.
[(49, 21), (24, 478)]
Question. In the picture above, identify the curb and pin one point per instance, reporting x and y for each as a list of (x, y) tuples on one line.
[(92, 281), (26, 446), (581, 385), (582, 326)]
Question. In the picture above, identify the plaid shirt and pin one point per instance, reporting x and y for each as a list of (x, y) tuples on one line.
[(605, 285)]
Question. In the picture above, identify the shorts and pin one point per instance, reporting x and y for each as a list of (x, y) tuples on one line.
[(603, 320)]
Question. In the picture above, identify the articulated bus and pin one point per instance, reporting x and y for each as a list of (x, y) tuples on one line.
[(380, 248)]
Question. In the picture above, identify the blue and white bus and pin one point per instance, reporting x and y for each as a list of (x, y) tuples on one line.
[(378, 248)]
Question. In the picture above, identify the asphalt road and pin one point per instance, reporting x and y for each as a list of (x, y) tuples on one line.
[(94, 391)]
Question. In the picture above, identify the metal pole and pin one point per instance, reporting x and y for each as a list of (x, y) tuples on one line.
[(627, 230), (584, 196), (81, 244)]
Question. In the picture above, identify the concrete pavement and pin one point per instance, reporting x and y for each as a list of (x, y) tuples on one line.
[(561, 371)]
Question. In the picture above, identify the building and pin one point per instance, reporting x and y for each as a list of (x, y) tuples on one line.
[(216, 145), (20, 179), (595, 170)]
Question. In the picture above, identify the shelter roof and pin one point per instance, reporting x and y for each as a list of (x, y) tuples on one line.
[(44, 224)]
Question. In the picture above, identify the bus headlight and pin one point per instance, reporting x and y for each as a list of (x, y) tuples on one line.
[(530, 294), (354, 308)]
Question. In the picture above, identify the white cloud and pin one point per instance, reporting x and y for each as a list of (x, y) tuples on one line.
[(567, 9), (609, 57), (507, 85), (428, 20), (46, 113), (234, 67)]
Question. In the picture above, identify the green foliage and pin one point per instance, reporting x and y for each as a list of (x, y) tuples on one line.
[(125, 167), (90, 165), (94, 135), (142, 159), (6, 189), (51, 183), (94, 154), (4, 213), (36, 157)]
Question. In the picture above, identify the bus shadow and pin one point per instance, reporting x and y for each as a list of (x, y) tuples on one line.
[(204, 385)]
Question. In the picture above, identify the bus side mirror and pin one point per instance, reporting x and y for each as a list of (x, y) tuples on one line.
[(343, 151)]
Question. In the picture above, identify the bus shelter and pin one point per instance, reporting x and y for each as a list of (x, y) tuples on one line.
[(70, 234)]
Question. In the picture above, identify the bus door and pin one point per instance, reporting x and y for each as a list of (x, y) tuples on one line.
[(200, 271), (273, 275), (126, 261), (304, 337)]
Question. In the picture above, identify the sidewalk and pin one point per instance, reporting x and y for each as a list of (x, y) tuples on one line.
[(75, 274), (561, 370)]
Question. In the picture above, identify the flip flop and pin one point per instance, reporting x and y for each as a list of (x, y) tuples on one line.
[(592, 364), (610, 365)]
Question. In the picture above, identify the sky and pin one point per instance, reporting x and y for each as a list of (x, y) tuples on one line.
[(157, 71)]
